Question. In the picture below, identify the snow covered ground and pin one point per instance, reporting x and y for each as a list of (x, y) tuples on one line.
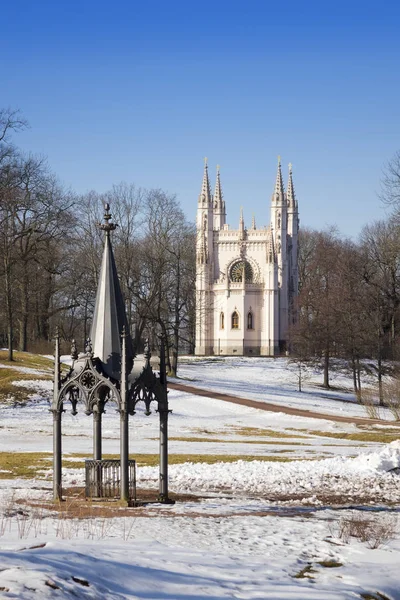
[(276, 381), (243, 539)]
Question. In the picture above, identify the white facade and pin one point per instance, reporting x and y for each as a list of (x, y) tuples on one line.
[(246, 279)]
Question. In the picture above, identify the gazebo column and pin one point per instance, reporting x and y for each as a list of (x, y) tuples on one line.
[(163, 477), (97, 450), (57, 409), (163, 412), (124, 450), (57, 456), (97, 447), (124, 425)]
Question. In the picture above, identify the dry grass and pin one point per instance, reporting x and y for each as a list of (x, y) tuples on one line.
[(10, 391), (23, 464), (250, 432), (390, 396), (9, 375), (259, 432), (364, 436), (152, 460), (29, 465), (330, 564), (306, 572), (374, 596), (26, 359), (372, 529), (225, 441)]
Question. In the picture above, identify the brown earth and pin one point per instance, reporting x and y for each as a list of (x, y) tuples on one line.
[(76, 506)]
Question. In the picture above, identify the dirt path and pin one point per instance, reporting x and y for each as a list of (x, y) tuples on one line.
[(298, 412)]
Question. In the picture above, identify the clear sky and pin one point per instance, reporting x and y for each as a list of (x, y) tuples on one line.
[(142, 91)]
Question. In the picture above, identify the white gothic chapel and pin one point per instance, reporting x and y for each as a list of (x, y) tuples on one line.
[(246, 279)]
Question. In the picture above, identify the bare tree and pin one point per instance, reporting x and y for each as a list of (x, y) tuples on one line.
[(390, 183), (316, 330)]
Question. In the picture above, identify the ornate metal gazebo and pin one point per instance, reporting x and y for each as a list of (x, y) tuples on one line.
[(103, 374)]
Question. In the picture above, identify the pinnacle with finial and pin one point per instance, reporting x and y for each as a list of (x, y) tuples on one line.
[(218, 192), (279, 189), (205, 194), (290, 191), (241, 222)]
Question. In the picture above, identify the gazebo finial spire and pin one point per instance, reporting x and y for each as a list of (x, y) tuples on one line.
[(109, 316), (107, 226)]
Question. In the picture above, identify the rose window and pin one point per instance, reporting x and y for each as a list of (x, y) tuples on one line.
[(236, 274)]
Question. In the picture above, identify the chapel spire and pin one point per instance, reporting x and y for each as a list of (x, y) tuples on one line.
[(219, 204), (279, 189), (218, 201), (291, 197), (205, 197), (241, 225)]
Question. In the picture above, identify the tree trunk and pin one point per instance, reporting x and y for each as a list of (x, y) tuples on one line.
[(326, 368), (359, 375), (45, 308), (300, 376), (167, 346), (353, 368), (23, 320), (9, 311), (380, 385), (175, 348)]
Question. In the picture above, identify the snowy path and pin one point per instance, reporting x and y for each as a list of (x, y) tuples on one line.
[(268, 406)]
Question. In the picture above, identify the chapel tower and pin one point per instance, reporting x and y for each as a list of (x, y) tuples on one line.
[(246, 279)]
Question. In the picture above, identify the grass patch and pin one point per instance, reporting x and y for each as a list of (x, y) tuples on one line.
[(23, 464), (27, 359), (365, 436), (259, 432), (152, 460), (382, 429), (306, 572), (374, 596), (11, 392), (330, 564), (224, 441), (9, 374), (28, 465)]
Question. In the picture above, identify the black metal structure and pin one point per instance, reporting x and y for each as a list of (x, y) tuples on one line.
[(102, 375), (103, 479)]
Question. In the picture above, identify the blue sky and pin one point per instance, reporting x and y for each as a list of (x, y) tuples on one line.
[(141, 92)]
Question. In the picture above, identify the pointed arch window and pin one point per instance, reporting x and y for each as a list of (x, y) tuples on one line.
[(235, 320), (222, 321), (250, 320)]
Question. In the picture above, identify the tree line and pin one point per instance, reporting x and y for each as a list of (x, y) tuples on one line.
[(51, 248), (50, 255), (349, 299)]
